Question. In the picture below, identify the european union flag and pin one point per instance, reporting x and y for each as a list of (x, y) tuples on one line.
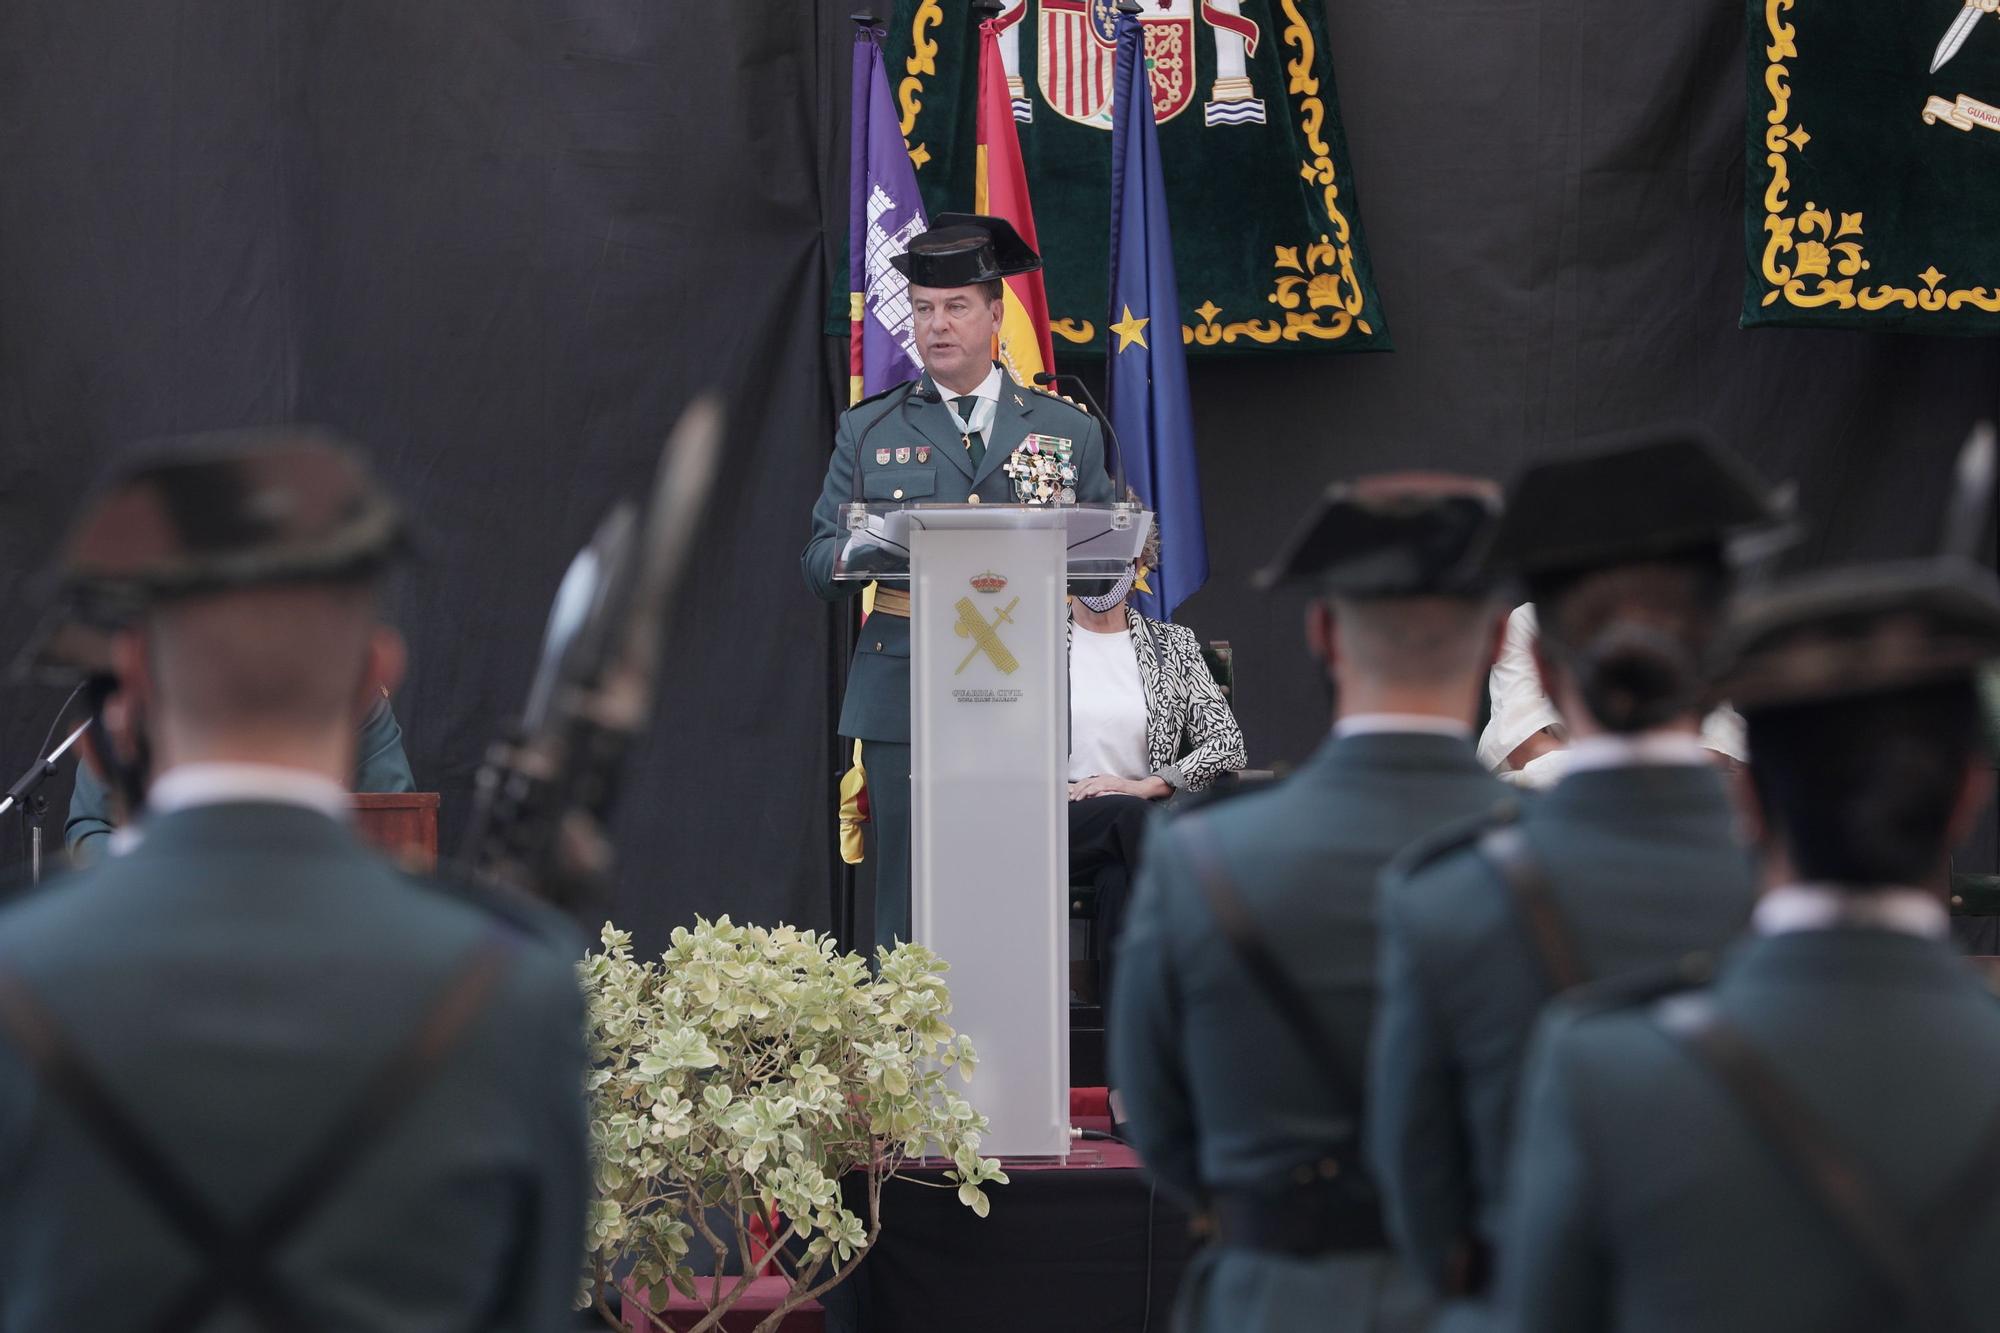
[(1146, 389)]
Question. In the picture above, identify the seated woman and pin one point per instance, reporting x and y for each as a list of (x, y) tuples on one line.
[(1525, 742), (1146, 720)]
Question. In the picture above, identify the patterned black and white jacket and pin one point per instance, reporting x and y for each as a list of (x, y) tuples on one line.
[(1191, 736)]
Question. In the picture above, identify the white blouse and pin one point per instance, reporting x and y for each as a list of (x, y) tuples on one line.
[(1107, 707)]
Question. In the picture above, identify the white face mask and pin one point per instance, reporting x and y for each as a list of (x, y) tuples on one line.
[(1110, 599)]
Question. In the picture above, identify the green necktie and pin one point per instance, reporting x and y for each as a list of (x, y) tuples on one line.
[(975, 444)]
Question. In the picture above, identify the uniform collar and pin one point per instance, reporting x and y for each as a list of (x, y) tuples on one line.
[(1794, 908), (186, 786), (1401, 724), (1648, 749)]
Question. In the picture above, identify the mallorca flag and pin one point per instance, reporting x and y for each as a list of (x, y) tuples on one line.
[(1000, 189), (1145, 380)]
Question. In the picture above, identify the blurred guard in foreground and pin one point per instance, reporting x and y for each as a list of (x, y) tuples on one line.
[(1630, 861), (1243, 1001), (1812, 1144), (249, 1073)]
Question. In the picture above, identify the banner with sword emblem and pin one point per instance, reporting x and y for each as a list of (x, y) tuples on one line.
[(1874, 165), (1267, 223)]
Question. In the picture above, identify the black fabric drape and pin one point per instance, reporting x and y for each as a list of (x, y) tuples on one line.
[(503, 242)]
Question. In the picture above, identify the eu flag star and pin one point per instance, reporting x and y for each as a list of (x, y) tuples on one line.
[(1130, 330)]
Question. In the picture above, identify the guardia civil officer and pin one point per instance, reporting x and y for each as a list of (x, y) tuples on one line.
[(1630, 860), (251, 1076), (1247, 977), (943, 438), (379, 765), (1812, 1143)]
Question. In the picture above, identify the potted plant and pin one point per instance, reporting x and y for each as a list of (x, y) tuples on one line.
[(736, 1082)]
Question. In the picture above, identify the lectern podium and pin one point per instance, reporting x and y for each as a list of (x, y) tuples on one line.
[(989, 747)]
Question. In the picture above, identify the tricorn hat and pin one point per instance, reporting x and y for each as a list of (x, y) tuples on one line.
[(205, 513), (1860, 630), (1650, 495), (1396, 534), (962, 249)]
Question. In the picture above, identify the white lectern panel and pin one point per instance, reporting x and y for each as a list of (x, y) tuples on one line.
[(989, 699)]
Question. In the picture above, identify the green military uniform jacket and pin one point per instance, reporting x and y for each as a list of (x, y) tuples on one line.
[(379, 765), (1645, 1200), (917, 455), (1216, 1092), (1643, 867), (234, 980)]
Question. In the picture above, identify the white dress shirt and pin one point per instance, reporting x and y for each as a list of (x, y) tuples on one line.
[(988, 394), (1791, 908), (1402, 724)]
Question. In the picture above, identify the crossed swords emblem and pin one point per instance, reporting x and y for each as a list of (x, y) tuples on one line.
[(985, 636), (1960, 29)]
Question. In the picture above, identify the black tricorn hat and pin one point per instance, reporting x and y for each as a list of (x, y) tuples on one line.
[(1860, 630), (962, 249), (1393, 534), (205, 513), (1650, 495)]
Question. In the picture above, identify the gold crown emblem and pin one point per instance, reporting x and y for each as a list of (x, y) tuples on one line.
[(988, 582)]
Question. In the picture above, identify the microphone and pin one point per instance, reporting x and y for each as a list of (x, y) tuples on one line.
[(918, 390), (1047, 379)]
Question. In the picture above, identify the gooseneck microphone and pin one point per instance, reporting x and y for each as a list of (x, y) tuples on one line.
[(1048, 379), (918, 389)]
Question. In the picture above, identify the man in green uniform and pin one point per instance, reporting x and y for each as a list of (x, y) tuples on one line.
[(943, 438), (1631, 860), (1812, 1143), (249, 1072), (379, 765), (1247, 978)]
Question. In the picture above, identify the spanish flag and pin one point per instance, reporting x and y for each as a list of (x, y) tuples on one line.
[(1000, 189)]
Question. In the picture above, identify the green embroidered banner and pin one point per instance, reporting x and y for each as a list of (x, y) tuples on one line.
[(1873, 181), (1266, 223)]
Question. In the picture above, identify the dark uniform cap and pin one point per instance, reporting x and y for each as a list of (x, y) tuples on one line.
[(1394, 534), (1867, 629), (205, 513), (962, 249), (1647, 496)]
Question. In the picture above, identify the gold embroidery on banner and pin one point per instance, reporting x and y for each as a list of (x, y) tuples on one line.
[(1319, 294), (922, 61), (1314, 286), (1812, 258)]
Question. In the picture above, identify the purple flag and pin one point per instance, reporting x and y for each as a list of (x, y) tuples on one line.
[(883, 213)]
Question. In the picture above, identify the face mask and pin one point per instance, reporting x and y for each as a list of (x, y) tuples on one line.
[(1118, 592)]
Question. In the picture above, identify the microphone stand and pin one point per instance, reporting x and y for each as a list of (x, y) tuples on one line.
[(27, 793)]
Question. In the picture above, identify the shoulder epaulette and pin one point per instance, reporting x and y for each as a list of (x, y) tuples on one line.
[(878, 397), (1453, 837), (1062, 398), (1644, 987)]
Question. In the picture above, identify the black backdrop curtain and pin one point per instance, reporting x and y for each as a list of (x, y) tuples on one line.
[(503, 242)]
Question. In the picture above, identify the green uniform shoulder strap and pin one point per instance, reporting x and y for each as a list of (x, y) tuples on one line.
[(1845, 1189)]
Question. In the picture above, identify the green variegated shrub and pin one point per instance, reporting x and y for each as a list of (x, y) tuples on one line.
[(742, 1076)]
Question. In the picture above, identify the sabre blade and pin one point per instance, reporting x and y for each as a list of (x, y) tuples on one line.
[(1954, 36)]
